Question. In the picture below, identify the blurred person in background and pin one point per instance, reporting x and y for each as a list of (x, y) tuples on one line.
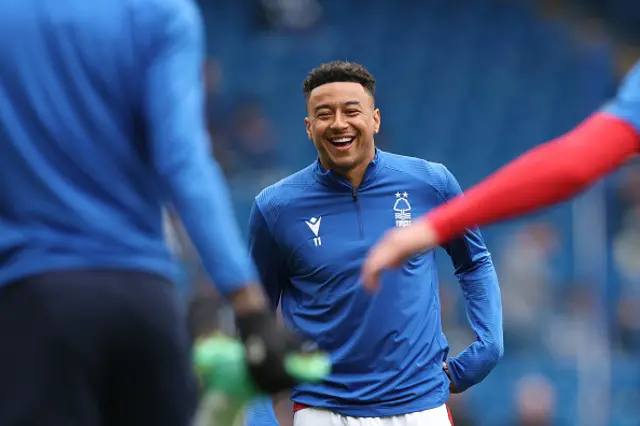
[(571, 325), (626, 254), (308, 235), (101, 128), (628, 324), (626, 243), (289, 15), (463, 414), (535, 399), (252, 145), (546, 175), (525, 266), (217, 113)]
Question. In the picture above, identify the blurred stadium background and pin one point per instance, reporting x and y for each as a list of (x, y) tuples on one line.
[(469, 83)]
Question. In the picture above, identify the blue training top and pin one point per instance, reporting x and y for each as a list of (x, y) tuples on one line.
[(101, 125)]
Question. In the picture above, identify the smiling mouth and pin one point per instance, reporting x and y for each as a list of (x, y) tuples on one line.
[(342, 142)]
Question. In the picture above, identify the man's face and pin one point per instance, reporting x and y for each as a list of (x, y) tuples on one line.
[(342, 122)]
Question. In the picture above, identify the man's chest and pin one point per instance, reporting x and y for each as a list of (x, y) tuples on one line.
[(330, 233)]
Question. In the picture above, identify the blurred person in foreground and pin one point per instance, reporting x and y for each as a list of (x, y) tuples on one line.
[(101, 126), (308, 235), (548, 174)]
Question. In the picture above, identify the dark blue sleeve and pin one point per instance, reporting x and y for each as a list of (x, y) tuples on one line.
[(266, 255), (483, 304), (173, 107), (626, 104)]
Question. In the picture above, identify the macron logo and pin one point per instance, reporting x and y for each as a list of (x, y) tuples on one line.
[(314, 225)]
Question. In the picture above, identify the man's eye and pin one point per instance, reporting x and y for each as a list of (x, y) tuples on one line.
[(352, 111), (324, 114)]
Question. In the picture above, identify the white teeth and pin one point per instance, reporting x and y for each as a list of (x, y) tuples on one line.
[(341, 140)]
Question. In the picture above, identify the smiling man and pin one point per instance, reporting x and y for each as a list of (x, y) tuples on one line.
[(309, 234)]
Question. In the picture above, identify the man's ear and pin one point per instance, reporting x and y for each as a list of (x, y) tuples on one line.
[(376, 121), (307, 124)]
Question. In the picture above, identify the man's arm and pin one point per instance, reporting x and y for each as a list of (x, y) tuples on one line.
[(173, 106), (267, 257), (479, 283), (543, 176), (171, 37), (548, 174), (554, 171), (272, 272)]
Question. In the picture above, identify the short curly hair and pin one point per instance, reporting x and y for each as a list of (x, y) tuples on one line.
[(339, 71)]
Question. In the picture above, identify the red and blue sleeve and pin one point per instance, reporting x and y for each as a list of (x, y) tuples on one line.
[(552, 172), (626, 104)]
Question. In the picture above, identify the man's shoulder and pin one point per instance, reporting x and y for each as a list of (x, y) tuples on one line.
[(162, 14), (280, 194), (165, 6), (429, 171), (626, 104)]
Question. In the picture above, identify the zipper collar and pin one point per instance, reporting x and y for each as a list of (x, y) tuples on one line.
[(333, 180)]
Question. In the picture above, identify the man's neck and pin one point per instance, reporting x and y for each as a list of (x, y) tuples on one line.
[(356, 174)]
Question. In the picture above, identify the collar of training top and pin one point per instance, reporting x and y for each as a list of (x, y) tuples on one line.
[(334, 180)]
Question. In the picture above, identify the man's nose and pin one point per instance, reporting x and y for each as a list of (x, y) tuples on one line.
[(339, 122)]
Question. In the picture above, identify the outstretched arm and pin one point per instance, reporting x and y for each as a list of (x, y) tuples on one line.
[(541, 177), (545, 175)]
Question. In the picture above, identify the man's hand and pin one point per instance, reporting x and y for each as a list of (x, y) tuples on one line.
[(249, 298), (452, 387), (267, 344), (395, 247)]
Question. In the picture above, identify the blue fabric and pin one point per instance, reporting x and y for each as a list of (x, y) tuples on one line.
[(626, 104), (101, 125), (309, 234), (260, 413)]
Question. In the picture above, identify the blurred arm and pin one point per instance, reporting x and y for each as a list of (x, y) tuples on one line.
[(483, 305), (260, 413), (543, 176), (173, 104)]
